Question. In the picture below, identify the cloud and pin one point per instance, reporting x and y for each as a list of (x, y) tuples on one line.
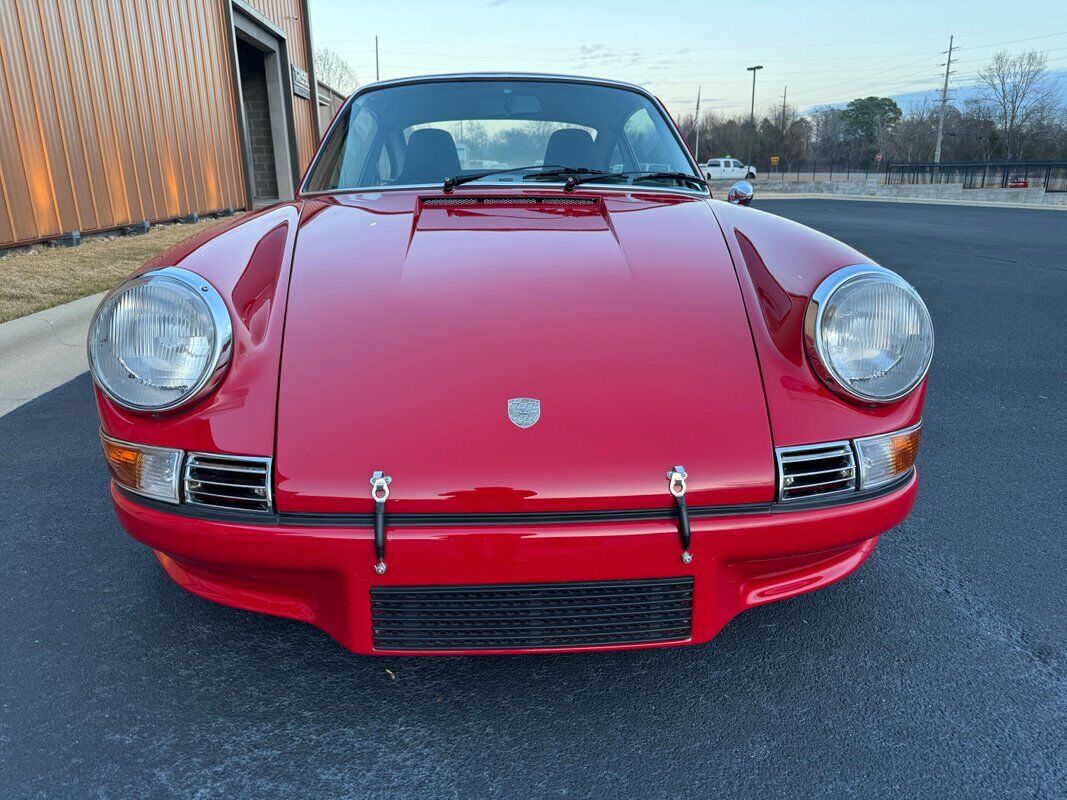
[(598, 56)]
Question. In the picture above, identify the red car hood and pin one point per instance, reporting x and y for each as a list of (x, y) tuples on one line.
[(410, 326)]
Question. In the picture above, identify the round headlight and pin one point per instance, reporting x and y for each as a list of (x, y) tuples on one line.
[(868, 334), (160, 340)]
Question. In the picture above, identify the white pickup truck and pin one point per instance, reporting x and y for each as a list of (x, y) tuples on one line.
[(727, 168)]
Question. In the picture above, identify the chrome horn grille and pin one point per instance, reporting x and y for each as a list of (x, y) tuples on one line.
[(815, 470), (241, 483)]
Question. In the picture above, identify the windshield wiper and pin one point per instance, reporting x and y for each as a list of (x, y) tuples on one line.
[(459, 180), (639, 174), (561, 171), (575, 175)]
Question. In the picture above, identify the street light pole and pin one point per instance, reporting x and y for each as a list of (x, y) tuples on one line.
[(752, 111)]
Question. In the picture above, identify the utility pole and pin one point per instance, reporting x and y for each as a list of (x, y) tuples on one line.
[(944, 102), (696, 155), (785, 92), (752, 111), (377, 69)]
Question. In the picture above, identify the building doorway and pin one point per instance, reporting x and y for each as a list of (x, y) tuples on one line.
[(266, 106), (256, 101)]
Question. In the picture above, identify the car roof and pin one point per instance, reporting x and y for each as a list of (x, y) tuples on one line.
[(515, 76), (488, 78)]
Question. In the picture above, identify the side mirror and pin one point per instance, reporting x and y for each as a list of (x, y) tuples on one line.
[(740, 194)]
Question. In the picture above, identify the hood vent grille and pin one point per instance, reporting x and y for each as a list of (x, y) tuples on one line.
[(241, 483), (815, 470), (508, 201)]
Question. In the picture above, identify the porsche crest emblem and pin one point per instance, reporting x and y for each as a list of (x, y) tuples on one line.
[(524, 411)]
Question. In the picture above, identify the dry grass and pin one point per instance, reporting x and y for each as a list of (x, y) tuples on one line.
[(48, 276)]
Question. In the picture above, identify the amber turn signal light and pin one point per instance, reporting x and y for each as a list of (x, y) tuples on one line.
[(884, 458), (149, 471)]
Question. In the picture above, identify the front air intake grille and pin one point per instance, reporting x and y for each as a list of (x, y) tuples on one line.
[(531, 615), (509, 201), (815, 470), (236, 482)]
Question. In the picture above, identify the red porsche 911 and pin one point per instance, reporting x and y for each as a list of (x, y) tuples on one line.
[(505, 378)]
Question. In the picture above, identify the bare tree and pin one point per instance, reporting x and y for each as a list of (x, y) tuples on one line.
[(829, 133), (1019, 97), (1030, 124), (914, 136), (784, 133), (334, 71)]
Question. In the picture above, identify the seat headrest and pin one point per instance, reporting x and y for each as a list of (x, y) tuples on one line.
[(570, 147), (430, 157)]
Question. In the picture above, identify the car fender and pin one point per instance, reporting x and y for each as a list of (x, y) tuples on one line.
[(779, 265), (247, 260)]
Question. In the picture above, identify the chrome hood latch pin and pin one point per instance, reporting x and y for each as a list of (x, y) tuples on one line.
[(379, 490), (676, 482)]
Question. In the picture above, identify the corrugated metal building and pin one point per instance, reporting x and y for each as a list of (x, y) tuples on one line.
[(116, 112), (330, 102)]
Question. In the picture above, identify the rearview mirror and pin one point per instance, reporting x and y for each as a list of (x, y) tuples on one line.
[(508, 104), (740, 193)]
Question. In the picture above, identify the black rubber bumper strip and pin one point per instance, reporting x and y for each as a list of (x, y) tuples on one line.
[(408, 520)]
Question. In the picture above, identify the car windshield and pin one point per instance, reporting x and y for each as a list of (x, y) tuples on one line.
[(423, 133)]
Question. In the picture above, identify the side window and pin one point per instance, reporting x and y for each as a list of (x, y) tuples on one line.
[(362, 130), (647, 143), (713, 165), (737, 164)]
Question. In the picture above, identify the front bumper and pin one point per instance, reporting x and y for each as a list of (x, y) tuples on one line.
[(323, 575)]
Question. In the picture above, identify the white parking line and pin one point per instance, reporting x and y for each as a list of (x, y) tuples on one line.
[(43, 351)]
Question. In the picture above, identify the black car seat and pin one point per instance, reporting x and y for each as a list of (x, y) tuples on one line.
[(430, 157), (570, 147)]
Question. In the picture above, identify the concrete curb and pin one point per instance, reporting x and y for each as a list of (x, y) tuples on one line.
[(922, 200), (43, 351)]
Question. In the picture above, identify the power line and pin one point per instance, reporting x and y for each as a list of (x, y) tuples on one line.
[(889, 78), (580, 64), (1013, 41), (572, 49), (852, 81), (1017, 25), (576, 47)]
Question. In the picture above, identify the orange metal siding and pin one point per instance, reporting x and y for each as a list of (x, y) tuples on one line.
[(115, 111)]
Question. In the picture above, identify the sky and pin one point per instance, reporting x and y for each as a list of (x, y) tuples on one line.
[(824, 51)]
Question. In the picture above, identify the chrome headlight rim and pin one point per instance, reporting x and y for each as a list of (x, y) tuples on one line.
[(222, 351), (815, 346)]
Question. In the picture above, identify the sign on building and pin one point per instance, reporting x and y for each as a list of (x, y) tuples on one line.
[(301, 83)]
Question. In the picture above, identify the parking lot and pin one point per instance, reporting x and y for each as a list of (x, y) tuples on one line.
[(938, 670)]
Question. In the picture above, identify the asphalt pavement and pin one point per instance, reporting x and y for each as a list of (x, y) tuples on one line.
[(938, 670)]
